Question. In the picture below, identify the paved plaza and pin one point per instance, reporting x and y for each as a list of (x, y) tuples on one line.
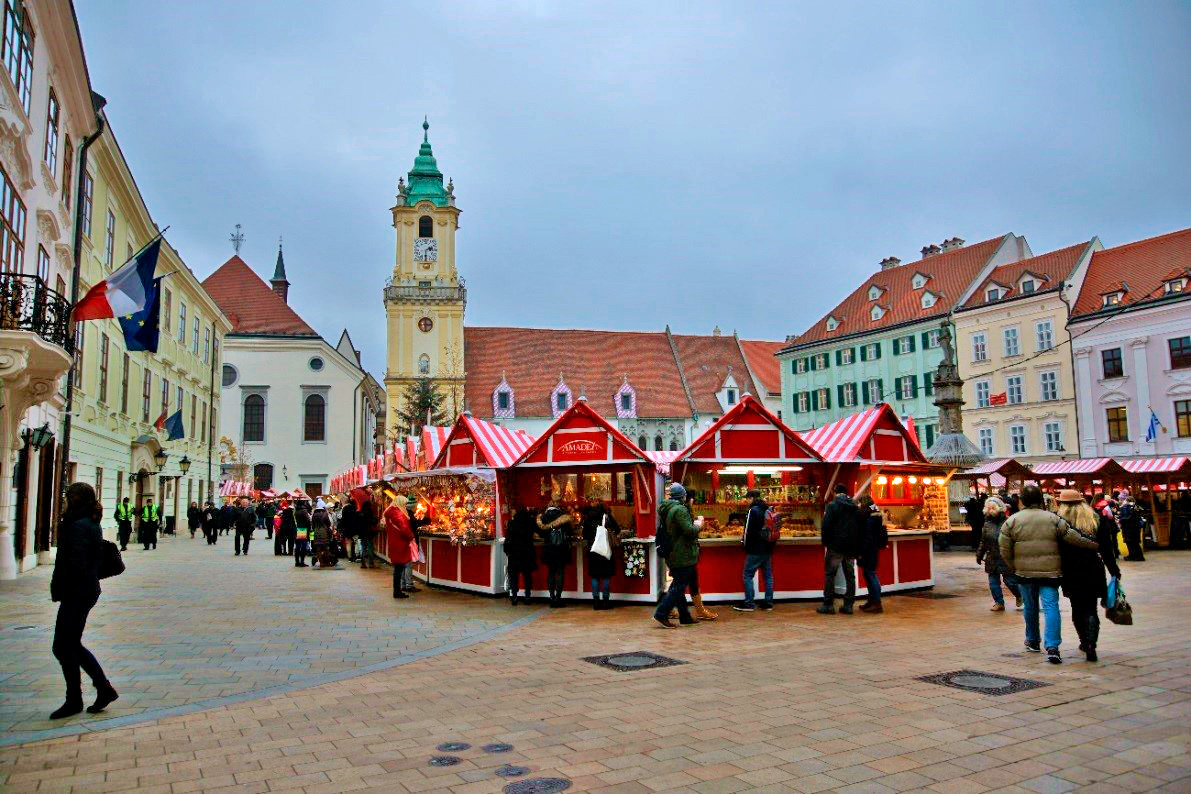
[(244, 674)]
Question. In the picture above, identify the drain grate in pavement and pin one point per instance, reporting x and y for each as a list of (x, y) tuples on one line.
[(541, 785), (499, 747), (453, 747), (635, 660), (444, 760), (511, 771), (985, 683)]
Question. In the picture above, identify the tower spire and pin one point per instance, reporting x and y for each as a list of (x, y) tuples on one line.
[(425, 182), (279, 281)]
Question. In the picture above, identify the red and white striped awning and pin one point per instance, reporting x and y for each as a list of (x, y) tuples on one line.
[(1154, 465), (663, 459), (474, 442), (234, 488), (1081, 466), (854, 439), (432, 440)]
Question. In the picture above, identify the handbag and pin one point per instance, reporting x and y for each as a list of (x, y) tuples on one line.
[(600, 545), (110, 562), (1116, 607)]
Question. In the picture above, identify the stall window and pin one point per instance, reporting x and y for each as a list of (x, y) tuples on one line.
[(425, 226), (1118, 423), (1180, 352), (1113, 364), (986, 441), (1182, 418)]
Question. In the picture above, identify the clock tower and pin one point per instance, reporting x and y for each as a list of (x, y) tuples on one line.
[(425, 298)]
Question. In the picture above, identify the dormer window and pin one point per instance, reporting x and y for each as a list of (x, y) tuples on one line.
[(993, 294), (626, 401), (1176, 285), (929, 299), (560, 398), (731, 396), (504, 405), (503, 401), (832, 323), (919, 281), (562, 401), (1113, 298), (876, 313), (1028, 285), (874, 292)]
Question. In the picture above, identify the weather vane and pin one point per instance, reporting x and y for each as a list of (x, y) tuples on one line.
[(237, 239)]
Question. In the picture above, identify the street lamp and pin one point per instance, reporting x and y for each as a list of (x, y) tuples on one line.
[(159, 458), (184, 464), (42, 436)]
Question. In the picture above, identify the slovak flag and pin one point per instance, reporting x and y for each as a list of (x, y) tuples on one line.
[(125, 291)]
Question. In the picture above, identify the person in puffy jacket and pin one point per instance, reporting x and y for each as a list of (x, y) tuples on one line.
[(320, 527), (74, 584), (989, 553), (840, 532), (1083, 569), (1029, 544), (245, 523), (682, 559), (555, 526), (400, 534), (874, 537), (758, 554), (520, 553)]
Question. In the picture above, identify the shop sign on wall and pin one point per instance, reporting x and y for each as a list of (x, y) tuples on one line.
[(585, 446)]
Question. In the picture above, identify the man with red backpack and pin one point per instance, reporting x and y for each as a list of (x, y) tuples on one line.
[(760, 536)]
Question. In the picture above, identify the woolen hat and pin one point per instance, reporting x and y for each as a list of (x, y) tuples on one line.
[(1070, 495), (677, 492)]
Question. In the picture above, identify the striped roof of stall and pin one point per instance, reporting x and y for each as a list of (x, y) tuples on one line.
[(663, 458), (842, 440), (433, 439), (1154, 465), (1079, 466), (234, 488), (498, 445)]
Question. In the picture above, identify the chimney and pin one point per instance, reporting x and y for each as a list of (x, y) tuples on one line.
[(952, 244), (930, 250), (890, 262), (279, 281)]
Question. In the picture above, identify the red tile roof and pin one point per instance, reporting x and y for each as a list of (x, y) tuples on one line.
[(765, 368), (951, 274), (1052, 268), (251, 304), (1144, 266), (595, 363)]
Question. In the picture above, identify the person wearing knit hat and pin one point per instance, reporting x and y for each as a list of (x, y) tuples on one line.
[(682, 557)]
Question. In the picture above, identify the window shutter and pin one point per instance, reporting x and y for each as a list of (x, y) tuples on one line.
[(839, 393), (897, 347), (826, 361), (926, 340), (878, 347), (814, 400), (794, 407), (793, 366), (810, 364), (881, 389), (827, 396), (864, 352), (910, 339), (839, 357), (913, 385), (928, 383)]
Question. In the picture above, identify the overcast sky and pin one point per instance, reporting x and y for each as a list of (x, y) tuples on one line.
[(625, 166)]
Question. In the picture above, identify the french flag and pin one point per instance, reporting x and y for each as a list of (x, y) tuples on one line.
[(125, 291)]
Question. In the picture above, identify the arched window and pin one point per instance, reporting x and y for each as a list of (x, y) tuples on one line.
[(262, 476), (425, 226), (315, 426), (657, 443), (424, 364), (642, 443), (673, 446), (254, 418)]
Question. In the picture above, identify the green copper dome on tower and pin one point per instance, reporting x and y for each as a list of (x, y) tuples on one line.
[(425, 180)]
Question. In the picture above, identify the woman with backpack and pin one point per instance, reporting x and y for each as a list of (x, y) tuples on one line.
[(873, 538), (554, 525)]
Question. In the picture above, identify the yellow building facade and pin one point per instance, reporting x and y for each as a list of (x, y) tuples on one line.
[(425, 298), (119, 395), (1014, 354)]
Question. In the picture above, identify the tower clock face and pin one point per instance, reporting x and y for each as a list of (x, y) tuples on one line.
[(425, 324), (425, 249)]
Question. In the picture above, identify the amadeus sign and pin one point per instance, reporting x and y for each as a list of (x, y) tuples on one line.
[(581, 449)]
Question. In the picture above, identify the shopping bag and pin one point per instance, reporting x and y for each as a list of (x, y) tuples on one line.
[(110, 562), (1118, 610), (600, 545), (415, 552)]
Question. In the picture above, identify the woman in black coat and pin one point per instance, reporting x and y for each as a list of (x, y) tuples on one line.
[(75, 586), (520, 553), (555, 528), (599, 567), (874, 538), (1083, 569)]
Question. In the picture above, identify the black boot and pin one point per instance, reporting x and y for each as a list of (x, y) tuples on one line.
[(595, 602), (72, 706), (105, 695), (607, 602)]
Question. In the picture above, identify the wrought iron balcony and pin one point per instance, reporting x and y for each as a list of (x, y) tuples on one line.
[(427, 292), (28, 304)]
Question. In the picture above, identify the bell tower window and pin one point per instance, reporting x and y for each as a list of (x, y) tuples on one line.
[(424, 364), (425, 226)]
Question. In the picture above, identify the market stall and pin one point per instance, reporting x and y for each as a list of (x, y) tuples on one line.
[(582, 460), (1163, 487), (748, 447)]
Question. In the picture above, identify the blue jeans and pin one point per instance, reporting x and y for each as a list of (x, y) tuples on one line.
[(751, 563), (601, 586), (676, 596), (1032, 593), (873, 584), (994, 585)]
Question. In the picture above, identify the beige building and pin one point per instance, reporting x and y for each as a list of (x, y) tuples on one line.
[(119, 395), (1014, 356), (47, 112)]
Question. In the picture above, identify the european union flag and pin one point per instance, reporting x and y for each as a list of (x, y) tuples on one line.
[(142, 329), (173, 426)]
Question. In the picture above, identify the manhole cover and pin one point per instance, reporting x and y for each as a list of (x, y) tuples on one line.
[(635, 660), (443, 760), (453, 747), (511, 771), (541, 785), (498, 747), (986, 683)]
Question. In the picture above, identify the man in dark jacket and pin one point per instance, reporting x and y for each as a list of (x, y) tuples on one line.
[(758, 554), (194, 518), (974, 516), (1129, 518), (840, 534), (227, 518), (210, 523), (682, 559), (245, 522)]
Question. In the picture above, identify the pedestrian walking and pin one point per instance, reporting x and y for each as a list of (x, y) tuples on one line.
[(349, 520), (682, 557), (320, 527), (194, 518), (227, 517), (1130, 518), (988, 553), (367, 524), (245, 523), (210, 523), (873, 539), (760, 536), (520, 554), (74, 585), (1083, 569), (699, 611), (150, 521), (301, 534), (974, 516), (598, 567), (124, 515), (1029, 543), (840, 548), (399, 534), (287, 531), (554, 525), (269, 509)]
